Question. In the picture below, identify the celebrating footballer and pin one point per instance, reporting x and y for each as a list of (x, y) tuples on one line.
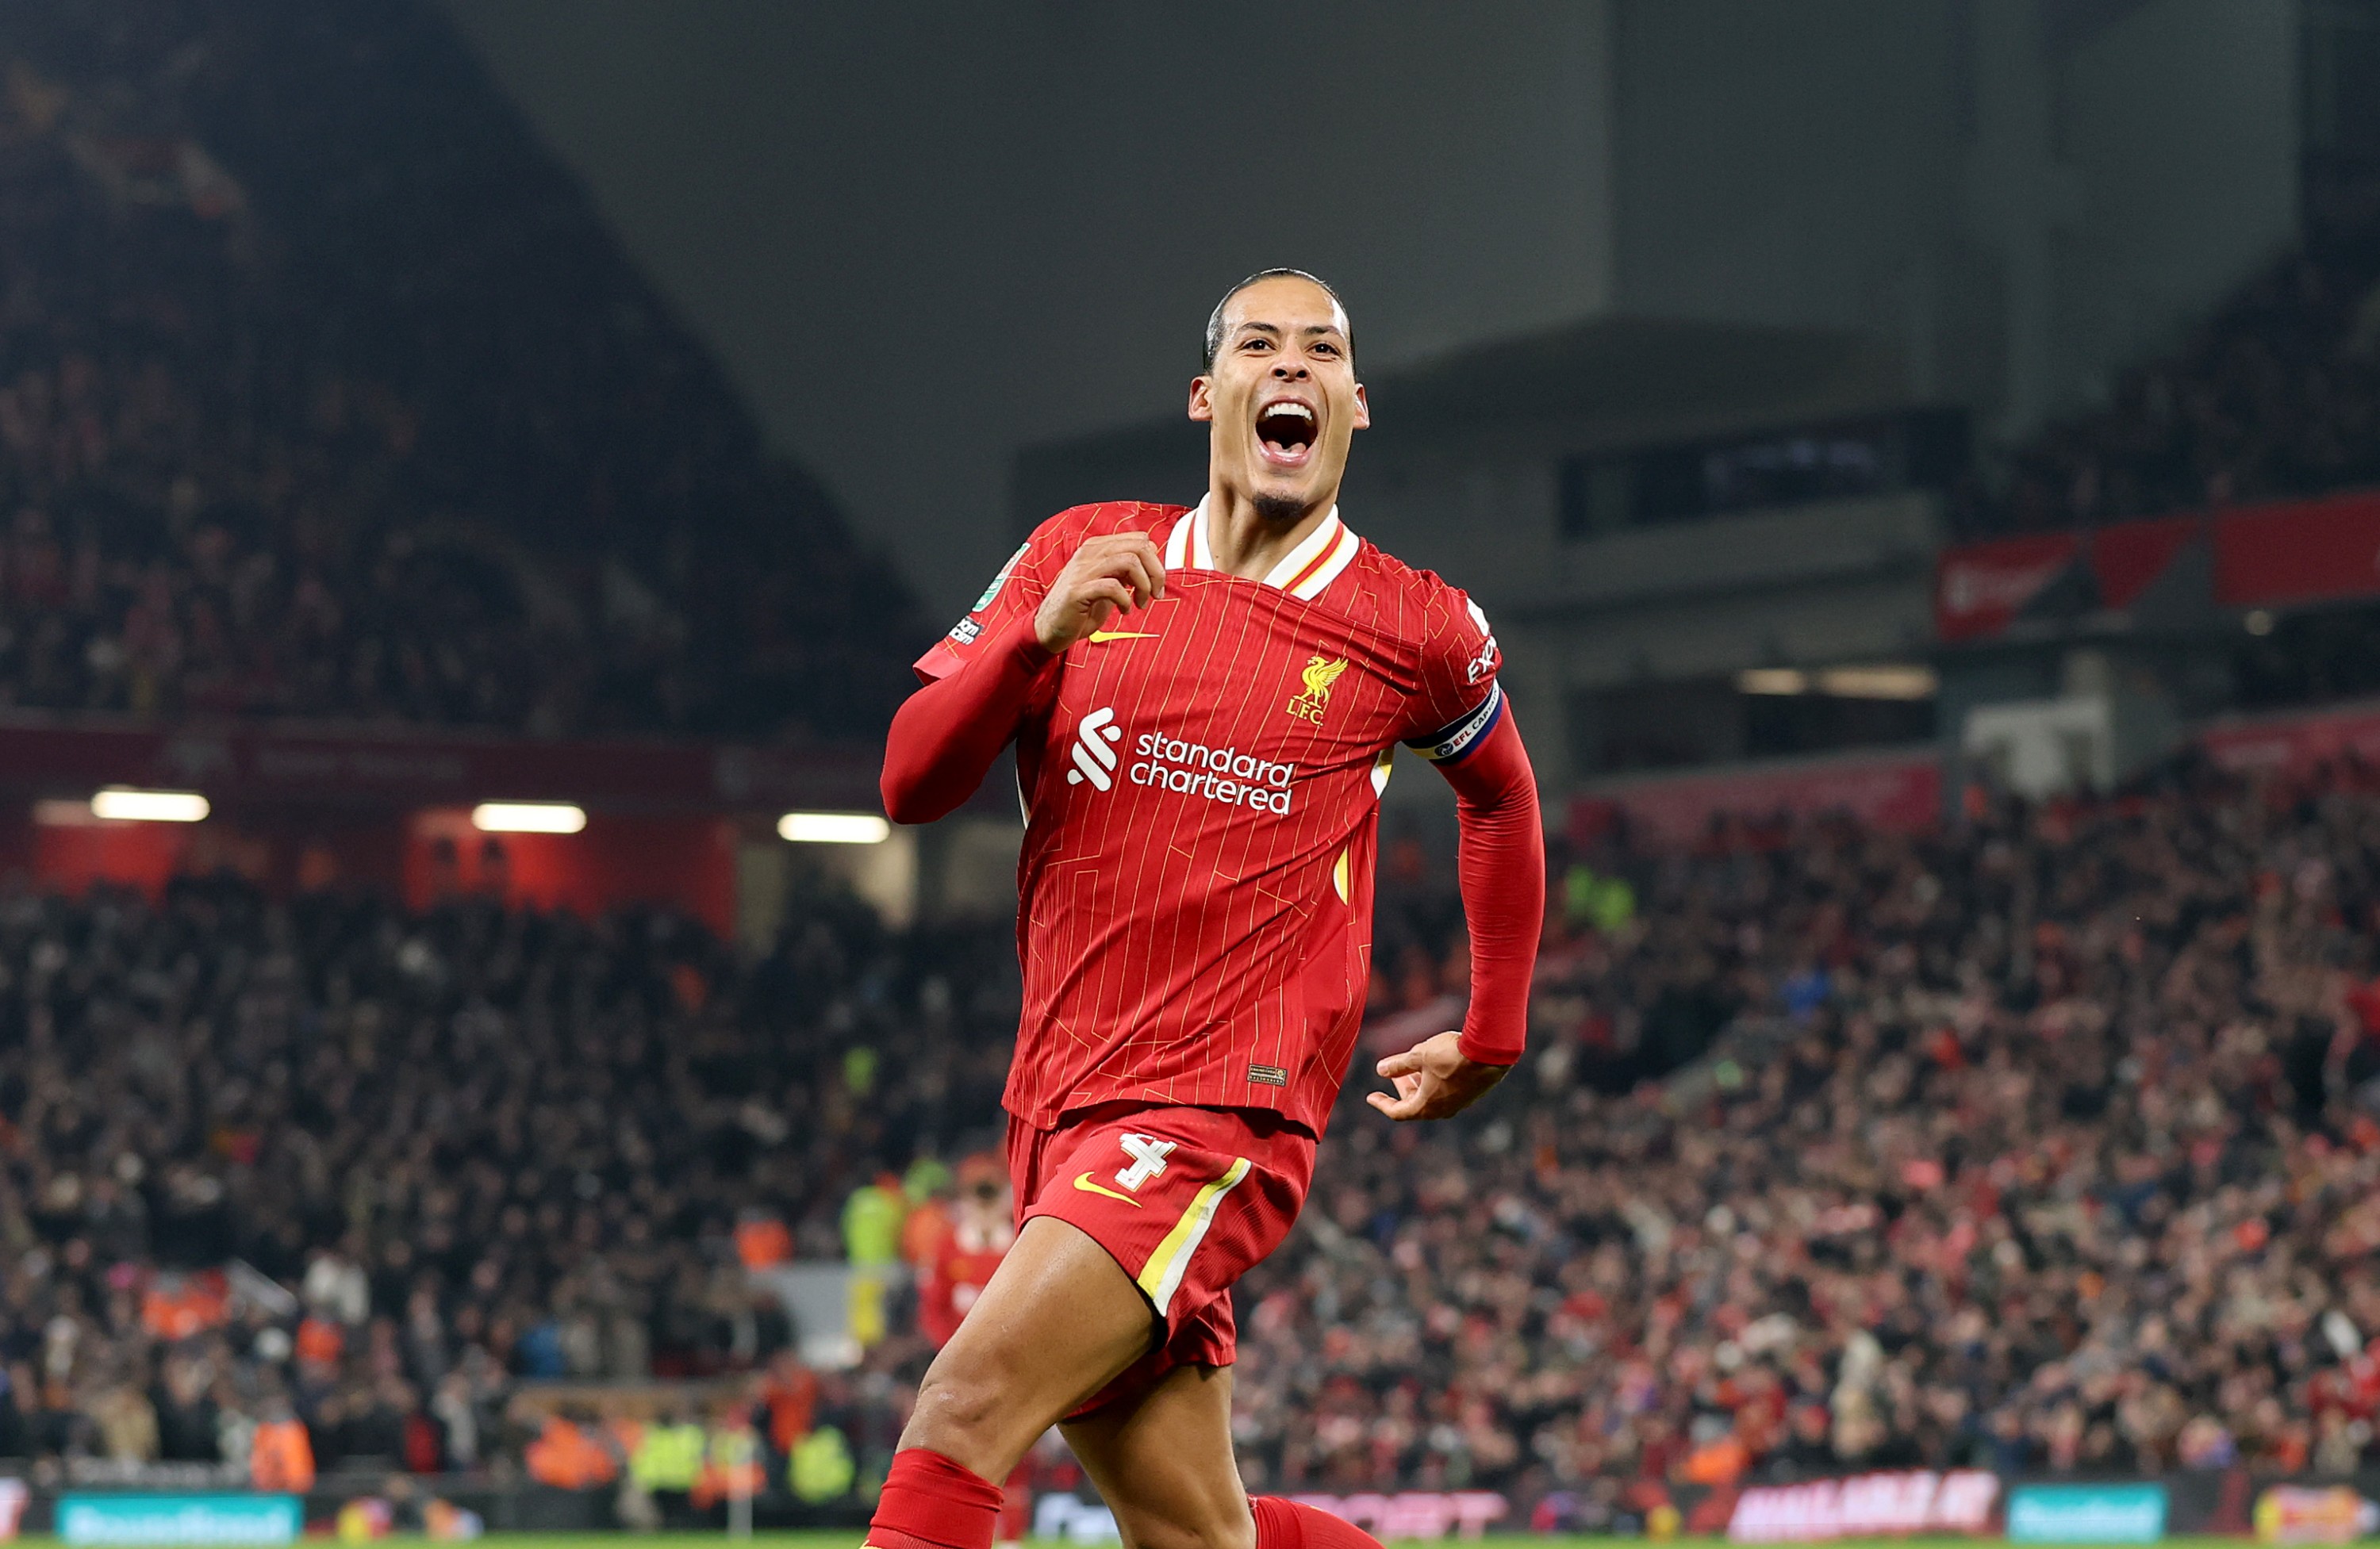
[(1204, 702)]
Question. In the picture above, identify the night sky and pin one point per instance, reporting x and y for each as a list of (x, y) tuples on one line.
[(922, 235)]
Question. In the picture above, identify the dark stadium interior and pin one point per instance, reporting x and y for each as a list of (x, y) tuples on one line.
[(1953, 671)]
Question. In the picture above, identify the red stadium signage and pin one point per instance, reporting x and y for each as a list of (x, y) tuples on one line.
[(1898, 792), (1978, 589), (1424, 1515), (2304, 551), (2293, 744), (2275, 555), (2129, 557), (1871, 1506)]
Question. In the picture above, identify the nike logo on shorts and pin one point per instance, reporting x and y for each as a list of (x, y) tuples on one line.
[(1085, 1184)]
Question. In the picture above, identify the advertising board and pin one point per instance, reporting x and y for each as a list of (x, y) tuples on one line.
[(2314, 1514), (2087, 1514), (172, 1519), (1917, 1501)]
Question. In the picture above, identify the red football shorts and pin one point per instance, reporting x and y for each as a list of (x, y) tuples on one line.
[(1185, 1199)]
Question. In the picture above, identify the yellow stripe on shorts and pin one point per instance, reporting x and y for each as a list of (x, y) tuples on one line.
[(1161, 1276)]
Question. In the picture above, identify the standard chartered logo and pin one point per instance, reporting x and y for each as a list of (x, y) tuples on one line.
[(1095, 757), (1215, 774)]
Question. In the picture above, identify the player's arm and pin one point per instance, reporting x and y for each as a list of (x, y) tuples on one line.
[(945, 736), (1467, 731), (1502, 866)]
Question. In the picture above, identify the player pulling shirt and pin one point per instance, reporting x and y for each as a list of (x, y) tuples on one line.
[(1203, 782), (1202, 702)]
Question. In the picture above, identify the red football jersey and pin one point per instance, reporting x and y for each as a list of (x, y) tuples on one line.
[(1201, 782), (962, 1267)]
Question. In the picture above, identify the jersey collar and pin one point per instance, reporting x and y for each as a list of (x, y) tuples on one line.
[(1303, 572)]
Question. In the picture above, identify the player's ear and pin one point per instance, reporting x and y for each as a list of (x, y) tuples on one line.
[(1202, 407), (1363, 408)]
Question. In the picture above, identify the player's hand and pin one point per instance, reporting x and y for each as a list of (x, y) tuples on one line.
[(1119, 570), (1434, 1079)]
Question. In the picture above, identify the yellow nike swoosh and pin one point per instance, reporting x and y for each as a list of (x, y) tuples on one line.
[(1084, 1183), (1100, 637)]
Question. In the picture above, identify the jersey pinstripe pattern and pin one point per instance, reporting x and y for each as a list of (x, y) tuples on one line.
[(1201, 781)]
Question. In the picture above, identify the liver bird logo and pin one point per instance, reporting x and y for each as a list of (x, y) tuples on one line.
[(1319, 673)]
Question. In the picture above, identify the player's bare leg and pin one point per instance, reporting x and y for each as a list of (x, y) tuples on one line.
[(1164, 1464), (1059, 1321)]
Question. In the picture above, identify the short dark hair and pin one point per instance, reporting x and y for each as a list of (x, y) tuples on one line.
[(1215, 318)]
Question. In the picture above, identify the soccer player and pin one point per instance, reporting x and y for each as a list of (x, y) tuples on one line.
[(1204, 704), (982, 1232)]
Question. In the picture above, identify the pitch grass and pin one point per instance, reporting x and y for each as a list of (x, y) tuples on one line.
[(851, 1541)]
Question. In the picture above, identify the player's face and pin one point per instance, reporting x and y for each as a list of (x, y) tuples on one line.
[(1283, 397)]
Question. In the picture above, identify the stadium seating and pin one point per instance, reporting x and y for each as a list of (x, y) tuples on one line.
[(2275, 394), (329, 396), (2044, 1143), (476, 1145)]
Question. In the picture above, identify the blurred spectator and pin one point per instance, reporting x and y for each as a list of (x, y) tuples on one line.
[(872, 1219), (569, 1453), (281, 1456)]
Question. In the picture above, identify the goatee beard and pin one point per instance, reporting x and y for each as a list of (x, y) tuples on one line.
[(1279, 510)]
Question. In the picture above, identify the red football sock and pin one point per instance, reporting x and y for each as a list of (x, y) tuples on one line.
[(1286, 1524), (931, 1503)]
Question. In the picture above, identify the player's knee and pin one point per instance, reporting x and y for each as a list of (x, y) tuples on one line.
[(951, 1407)]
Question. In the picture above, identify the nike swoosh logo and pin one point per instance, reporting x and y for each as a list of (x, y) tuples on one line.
[(1087, 1186), (1100, 637)]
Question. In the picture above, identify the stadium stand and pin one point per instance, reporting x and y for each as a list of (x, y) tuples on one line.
[(2276, 392), (327, 394), (479, 1144), (2050, 1142), (2047, 1143)]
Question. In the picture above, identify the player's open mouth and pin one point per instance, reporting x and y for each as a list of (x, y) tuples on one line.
[(1285, 431)]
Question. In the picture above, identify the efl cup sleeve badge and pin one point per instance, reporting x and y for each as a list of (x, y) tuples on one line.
[(999, 580), (1320, 673)]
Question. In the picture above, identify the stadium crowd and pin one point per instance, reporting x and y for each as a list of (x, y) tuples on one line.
[(2047, 1143), (442, 1152)]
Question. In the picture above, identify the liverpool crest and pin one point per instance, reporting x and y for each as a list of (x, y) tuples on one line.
[(1320, 674)]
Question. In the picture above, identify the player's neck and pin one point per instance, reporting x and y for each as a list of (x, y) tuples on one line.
[(1247, 544)]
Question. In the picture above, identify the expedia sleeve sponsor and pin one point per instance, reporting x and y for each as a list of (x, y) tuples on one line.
[(1218, 774), (1453, 741)]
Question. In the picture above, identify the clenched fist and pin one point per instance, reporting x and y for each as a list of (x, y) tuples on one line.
[(1119, 571)]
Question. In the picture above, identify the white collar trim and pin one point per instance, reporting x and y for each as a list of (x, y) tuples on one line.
[(1304, 572)]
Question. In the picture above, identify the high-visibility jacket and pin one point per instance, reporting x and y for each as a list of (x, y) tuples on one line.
[(281, 1459), (821, 1468), (668, 1457)]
